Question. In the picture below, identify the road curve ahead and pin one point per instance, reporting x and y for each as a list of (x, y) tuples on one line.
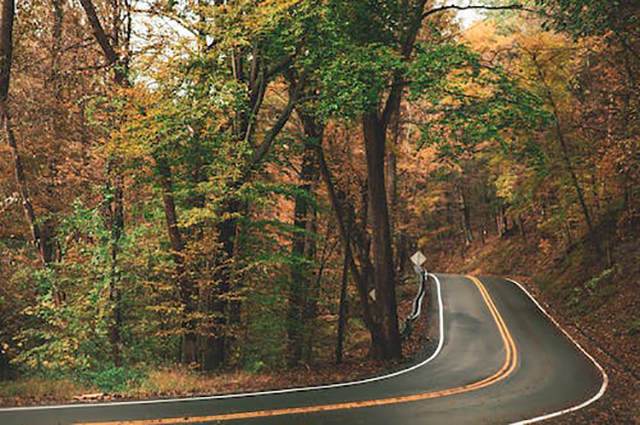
[(501, 360)]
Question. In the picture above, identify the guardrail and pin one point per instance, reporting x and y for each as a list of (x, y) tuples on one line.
[(417, 302)]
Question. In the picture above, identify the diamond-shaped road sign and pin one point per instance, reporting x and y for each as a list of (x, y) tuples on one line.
[(418, 258)]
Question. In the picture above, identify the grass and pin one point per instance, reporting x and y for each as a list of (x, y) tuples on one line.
[(175, 380), (41, 389), (163, 382)]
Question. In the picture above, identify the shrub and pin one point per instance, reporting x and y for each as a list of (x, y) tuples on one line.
[(115, 379)]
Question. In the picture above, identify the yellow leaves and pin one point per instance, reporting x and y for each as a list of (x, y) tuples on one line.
[(484, 38), (141, 123), (269, 10), (198, 215), (545, 246), (505, 184), (238, 24), (266, 12)]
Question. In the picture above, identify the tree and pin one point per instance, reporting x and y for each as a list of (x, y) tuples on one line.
[(114, 203), (245, 141), (40, 240)]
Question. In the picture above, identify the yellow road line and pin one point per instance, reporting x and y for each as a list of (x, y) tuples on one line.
[(509, 365)]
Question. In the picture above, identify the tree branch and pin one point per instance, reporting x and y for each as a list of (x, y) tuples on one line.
[(392, 103), (6, 46), (113, 58), (99, 32), (271, 135), (456, 7)]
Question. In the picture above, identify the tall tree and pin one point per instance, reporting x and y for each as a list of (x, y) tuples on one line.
[(254, 61), (114, 202), (560, 137), (187, 290), (41, 240), (303, 249)]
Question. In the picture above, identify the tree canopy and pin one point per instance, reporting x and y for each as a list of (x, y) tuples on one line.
[(213, 183)]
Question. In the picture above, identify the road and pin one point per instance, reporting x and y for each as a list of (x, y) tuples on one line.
[(500, 360)]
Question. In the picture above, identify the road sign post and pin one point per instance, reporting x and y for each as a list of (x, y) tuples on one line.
[(418, 259)]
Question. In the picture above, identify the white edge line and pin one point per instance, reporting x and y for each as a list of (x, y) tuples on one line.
[(605, 378), (259, 393)]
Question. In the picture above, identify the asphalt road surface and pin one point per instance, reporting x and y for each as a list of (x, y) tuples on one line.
[(500, 360)]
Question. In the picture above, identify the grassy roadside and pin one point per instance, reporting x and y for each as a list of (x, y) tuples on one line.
[(179, 381)]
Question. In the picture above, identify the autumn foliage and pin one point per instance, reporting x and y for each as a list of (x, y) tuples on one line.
[(186, 182)]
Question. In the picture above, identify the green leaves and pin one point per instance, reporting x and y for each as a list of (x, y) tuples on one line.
[(369, 21), (471, 104), (584, 18), (354, 80), (438, 68)]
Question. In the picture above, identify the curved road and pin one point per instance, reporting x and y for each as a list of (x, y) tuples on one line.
[(500, 360)]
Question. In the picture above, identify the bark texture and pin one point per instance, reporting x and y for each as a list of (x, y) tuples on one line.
[(187, 290)]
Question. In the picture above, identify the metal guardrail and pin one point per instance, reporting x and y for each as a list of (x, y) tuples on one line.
[(417, 303)]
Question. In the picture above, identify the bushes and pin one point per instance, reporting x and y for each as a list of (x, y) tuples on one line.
[(115, 379)]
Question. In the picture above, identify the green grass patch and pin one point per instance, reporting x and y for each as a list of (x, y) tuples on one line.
[(116, 379)]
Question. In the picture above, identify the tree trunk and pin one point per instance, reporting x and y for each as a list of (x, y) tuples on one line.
[(310, 313), (215, 350), (502, 223), (102, 38), (342, 311), (386, 342), (565, 155), (391, 176), (523, 231), (39, 238), (403, 253), (21, 181), (384, 274), (114, 177), (115, 292), (189, 349), (302, 304), (465, 216), (300, 308), (358, 276), (56, 36), (215, 345), (567, 232)]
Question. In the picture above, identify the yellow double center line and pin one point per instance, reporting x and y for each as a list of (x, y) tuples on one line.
[(510, 363)]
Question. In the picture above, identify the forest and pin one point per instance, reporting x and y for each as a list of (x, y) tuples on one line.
[(208, 188)]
